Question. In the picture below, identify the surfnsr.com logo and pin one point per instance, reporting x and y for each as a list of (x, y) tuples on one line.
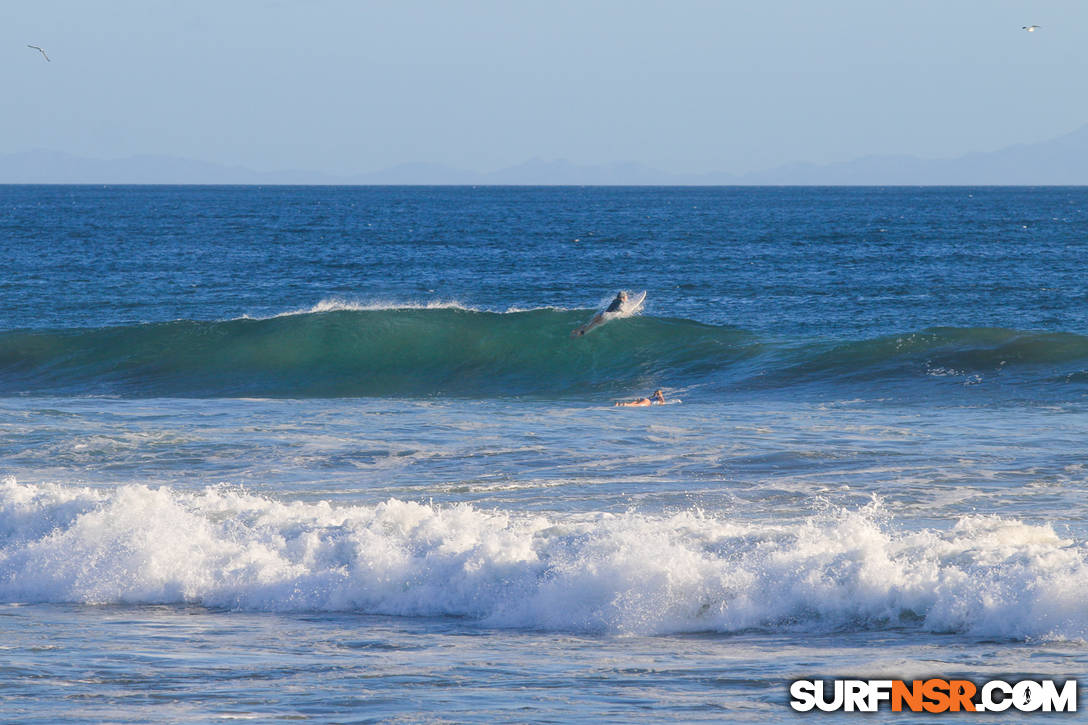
[(933, 695)]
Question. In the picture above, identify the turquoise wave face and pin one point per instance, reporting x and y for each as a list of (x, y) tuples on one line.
[(466, 353), (408, 352)]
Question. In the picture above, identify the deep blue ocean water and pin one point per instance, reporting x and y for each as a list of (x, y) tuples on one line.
[(332, 454)]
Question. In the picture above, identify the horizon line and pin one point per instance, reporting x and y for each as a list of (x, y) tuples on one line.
[(551, 186)]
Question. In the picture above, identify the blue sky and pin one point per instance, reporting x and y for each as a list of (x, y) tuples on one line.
[(344, 87)]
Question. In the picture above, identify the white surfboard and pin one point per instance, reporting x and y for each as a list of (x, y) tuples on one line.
[(632, 305)]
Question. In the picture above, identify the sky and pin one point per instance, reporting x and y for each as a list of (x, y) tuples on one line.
[(342, 86)]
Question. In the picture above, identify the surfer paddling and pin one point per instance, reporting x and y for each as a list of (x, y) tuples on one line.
[(615, 308), (617, 303), (658, 398)]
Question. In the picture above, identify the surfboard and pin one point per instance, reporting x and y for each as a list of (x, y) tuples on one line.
[(632, 305)]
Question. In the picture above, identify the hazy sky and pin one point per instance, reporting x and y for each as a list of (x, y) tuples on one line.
[(342, 86)]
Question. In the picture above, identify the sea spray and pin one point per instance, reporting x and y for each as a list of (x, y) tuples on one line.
[(624, 573)]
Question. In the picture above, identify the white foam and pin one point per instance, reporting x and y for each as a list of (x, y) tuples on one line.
[(628, 573), (339, 304), (548, 308), (624, 312)]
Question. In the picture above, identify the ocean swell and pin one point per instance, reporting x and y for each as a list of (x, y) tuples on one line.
[(448, 350), (367, 352)]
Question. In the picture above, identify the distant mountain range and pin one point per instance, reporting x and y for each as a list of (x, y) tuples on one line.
[(1060, 161)]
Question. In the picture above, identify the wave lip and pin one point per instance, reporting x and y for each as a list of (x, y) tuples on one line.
[(621, 574), (340, 304)]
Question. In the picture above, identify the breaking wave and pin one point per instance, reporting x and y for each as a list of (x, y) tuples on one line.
[(343, 350), (623, 573)]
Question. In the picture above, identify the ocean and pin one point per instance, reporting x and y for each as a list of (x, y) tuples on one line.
[(331, 454)]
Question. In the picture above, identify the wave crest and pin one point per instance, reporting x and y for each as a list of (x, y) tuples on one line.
[(438, 350), (339, 349)]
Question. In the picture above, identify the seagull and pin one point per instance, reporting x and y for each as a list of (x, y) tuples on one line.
[(40, 50), (1029, 28)]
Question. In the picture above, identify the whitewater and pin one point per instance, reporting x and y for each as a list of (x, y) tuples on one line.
[(615, 573), (331, 454)]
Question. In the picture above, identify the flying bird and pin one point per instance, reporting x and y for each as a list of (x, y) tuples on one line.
[(1029, 28), (40, 50)]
